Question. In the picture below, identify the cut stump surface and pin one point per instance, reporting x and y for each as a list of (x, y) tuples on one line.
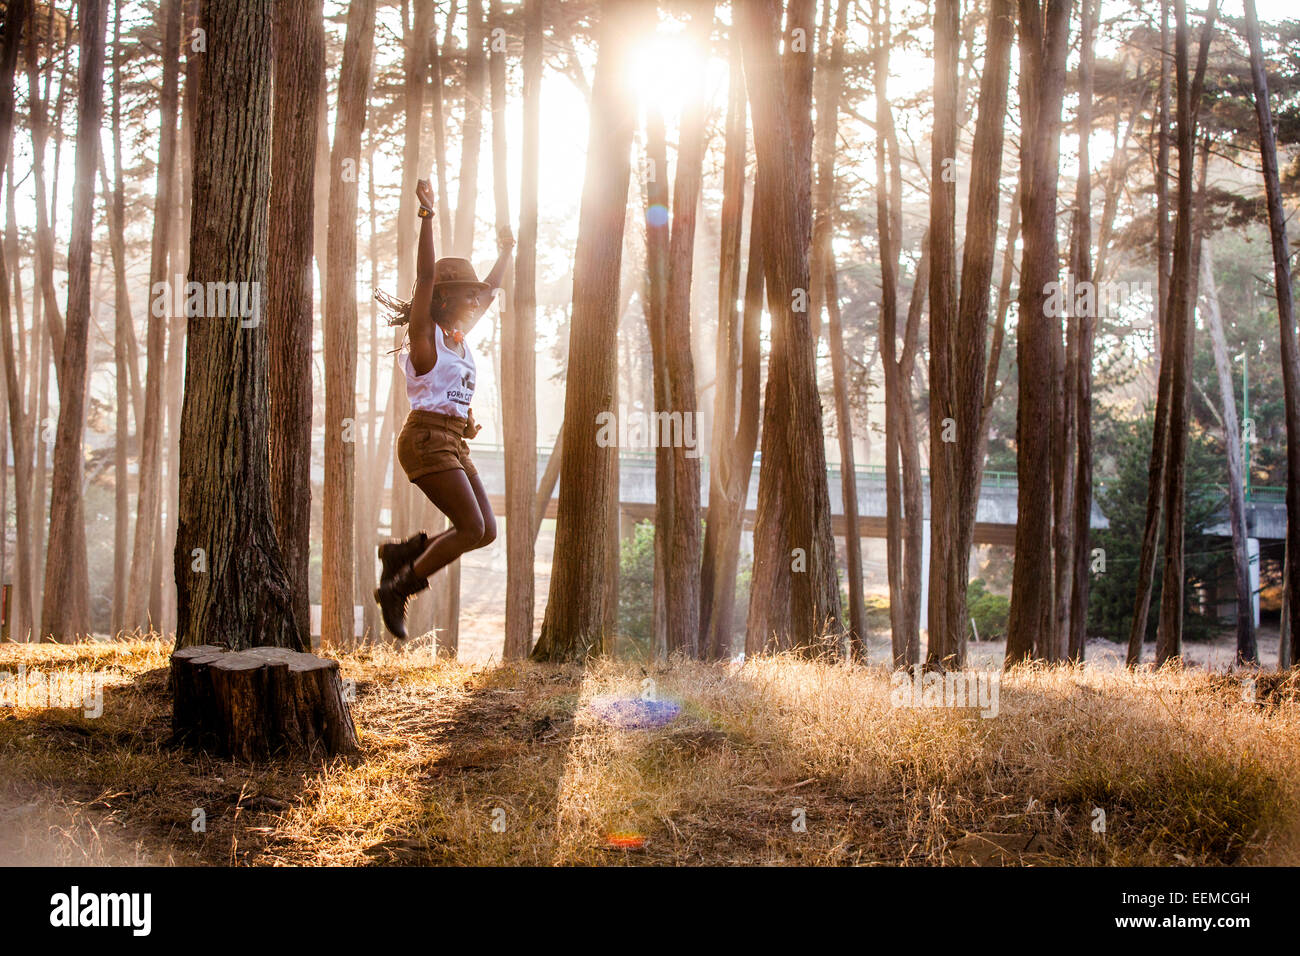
[(260, 702)]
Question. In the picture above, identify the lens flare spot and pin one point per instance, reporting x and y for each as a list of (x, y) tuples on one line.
[(625, 840), (656, 215), (633, 713)]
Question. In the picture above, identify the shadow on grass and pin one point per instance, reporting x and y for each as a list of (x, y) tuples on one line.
[(490, 771)]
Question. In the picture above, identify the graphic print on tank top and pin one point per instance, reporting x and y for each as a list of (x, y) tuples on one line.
[(448, 387)]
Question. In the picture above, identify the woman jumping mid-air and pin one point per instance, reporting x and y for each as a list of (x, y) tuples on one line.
[(447, 300)]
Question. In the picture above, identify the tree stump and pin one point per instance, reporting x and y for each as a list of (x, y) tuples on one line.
[(255, 703)]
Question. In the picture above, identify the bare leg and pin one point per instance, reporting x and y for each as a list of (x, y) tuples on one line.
[(485, 509), (453, 495), (433, 538)]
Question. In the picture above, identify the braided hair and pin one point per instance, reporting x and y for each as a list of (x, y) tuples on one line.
[(399, 310)]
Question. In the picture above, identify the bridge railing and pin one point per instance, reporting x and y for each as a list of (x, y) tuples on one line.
[(991, 479)]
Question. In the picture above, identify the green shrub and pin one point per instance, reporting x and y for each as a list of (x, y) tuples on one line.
[(636, 594), (1123, 500), (988, 611), (636, 580)]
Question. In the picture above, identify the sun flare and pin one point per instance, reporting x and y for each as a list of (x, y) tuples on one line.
[(665, 70)]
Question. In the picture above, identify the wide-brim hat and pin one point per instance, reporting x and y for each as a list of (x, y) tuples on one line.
[(451, 272)]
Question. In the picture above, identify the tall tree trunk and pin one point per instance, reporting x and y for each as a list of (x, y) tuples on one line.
[(48, 330), (378, 436), (546, 486), (905, 523), (1179, 330), (41, 499), (575, 614), (65, 614), (321, 183), (149, 499), (1286, 322), (501, 209), (682, 549), (231, 579), (992, 387), (1077, 634), (792, 432), (848, 467), (337, 558), (820, 232), (1247, 651), (1044, 33), (741, 467), (1160, 433), (451, 21), (888, 335), (825, 286), (1284, 652), (723, 505), (944, 644), (1064, 363), (657, 241), (519, 362), (769, 622), (965, 361), (1117, 175), (38, 120), (1064, 327), (366, 513), (18, 16), (445, 221), (14, 258), (173, 385), (415, 67), (299, 63), (909, 446), (116, 205), (497, 68), (471, 130), (1164, 137), (21, 618), (12, 255), (11, 34)]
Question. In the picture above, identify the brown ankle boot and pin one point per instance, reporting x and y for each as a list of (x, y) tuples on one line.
[(392, 595), (394, 554)]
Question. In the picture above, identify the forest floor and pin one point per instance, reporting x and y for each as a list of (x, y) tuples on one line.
[(775, 761)]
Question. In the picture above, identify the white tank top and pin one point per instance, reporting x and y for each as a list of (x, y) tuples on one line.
[(448, 387)]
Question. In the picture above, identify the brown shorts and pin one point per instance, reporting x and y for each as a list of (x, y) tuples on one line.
[(431, 442)]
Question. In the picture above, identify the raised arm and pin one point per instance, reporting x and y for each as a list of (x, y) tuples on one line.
[(425, 256), (424, 353), (505, 246)]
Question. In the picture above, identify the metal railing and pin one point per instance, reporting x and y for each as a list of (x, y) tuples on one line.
[(991, 479)]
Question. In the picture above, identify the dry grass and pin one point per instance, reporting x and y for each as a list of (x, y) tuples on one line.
[(1184, 769)]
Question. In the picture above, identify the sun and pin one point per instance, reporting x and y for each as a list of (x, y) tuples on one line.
[(665, 70)]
